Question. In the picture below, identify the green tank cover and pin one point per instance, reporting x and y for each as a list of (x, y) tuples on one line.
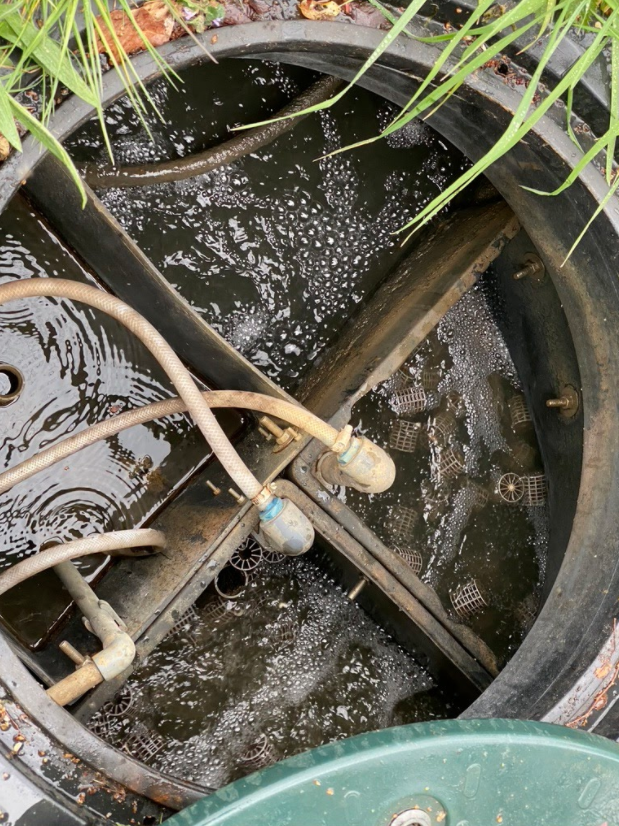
[(453, 773)]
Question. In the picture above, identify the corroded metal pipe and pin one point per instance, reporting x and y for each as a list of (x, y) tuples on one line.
[(118, 650)]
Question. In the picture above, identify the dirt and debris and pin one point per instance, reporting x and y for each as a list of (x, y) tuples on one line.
[(155, 23), (364, 14), (319, 10), (153, 19)]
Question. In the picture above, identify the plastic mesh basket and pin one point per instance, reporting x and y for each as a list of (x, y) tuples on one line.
[(511, 488), (534, 490), (477, 494), (412, 557), (401, 522), (451, 463), (404, 435), (467, 600), (430, 378), (258, 755), (524, 454), (247, 556), (442, 427), (413, 399), (272, 557), (121, 704), (518, 411)]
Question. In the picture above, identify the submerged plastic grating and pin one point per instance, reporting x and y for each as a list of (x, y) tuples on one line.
[(477, 494), (184, 623), (259, 755), (524, 454), (143, 744), (214, 610), (518, 411), (467, 600), (108, 721)]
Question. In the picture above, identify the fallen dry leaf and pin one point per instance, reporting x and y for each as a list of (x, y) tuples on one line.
[(5, 148), (314, 10), (154, 20)]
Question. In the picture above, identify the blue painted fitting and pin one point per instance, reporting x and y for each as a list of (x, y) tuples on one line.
[(273, 509), (351, 451)]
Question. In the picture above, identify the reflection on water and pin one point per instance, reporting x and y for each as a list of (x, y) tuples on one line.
[(79, 367), (277, 249)]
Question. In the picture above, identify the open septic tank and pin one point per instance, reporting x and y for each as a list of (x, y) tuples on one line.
[(479, 583)]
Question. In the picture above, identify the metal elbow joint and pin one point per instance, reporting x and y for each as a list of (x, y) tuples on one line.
[(116, 656), (363, 466), (285, 528)]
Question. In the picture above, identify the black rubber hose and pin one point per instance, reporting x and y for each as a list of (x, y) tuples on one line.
[(221, 155)]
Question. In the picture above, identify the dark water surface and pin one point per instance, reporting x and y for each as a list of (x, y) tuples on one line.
[(278, 249)]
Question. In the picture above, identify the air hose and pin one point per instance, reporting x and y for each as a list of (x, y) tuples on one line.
[(167, 358), (222, 155), (359, 462), (104, 543), (292, 413)]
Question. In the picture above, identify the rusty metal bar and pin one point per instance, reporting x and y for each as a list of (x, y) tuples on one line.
[(448, 657), (408, 305), (301, 475)]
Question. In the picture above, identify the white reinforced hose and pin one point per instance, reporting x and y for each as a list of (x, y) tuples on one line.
[(161, 350), (101, 543), (280, 408)]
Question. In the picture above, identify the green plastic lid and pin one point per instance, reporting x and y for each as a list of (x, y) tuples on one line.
[(453, 773)]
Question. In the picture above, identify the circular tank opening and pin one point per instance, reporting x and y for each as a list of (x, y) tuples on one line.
[(546, 357), (11, 384)]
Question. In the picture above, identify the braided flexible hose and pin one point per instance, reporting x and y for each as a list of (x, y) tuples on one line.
[(298, 416), (161, 350), (101, 543)]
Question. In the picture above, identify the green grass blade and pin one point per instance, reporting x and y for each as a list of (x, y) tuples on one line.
[(601, 208), (44, 136), (387, 40), (7, 121), (47, 53), (614, 106)]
